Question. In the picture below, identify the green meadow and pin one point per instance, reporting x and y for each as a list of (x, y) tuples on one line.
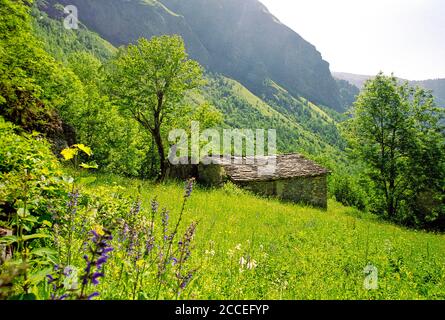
[(297, 252)]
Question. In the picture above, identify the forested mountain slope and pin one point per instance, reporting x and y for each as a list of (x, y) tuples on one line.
[(301, 125), (237, 38), (436, 85)]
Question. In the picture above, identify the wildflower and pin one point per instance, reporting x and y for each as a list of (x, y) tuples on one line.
[(252, 264), (149, 244), (238, 246), (136, 208), (165, 217), (184, 246), (210, 252), (91, 296), (185, 280), (189, 188), (98, 229), (99, 250), (72, 203), (230, 253), (95, 277), (154, 206), (50, 278)]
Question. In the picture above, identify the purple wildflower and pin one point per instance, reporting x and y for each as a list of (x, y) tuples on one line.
[(165, 218), (72, 203), (99, 250), (93, 295), (189, 188), (185, 280), (125, 231), (101, 261), (50, 278), (95, 277), (154, 206), (63, 297), (136, 208), (149, 244), (184, 245)]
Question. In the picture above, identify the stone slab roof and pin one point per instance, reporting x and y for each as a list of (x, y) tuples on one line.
[(264, 169)]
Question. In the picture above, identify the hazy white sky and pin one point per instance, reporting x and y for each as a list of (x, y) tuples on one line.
[(406, 37)]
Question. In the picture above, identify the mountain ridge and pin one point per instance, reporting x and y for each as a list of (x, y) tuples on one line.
[(238, 38), (435, 85)]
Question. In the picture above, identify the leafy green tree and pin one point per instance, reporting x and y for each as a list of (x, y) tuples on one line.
[(33, 86), (117, 141), (149, 80), (396, 131)]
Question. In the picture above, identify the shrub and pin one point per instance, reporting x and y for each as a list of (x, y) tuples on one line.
[(347, 191), (28, 172)]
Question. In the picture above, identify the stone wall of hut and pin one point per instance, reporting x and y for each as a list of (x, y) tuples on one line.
[(307, 190)]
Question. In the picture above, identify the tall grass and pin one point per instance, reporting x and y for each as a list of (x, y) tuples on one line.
[(247, 247)]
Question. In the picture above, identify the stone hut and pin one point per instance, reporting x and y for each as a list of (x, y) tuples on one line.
[(290, 177)]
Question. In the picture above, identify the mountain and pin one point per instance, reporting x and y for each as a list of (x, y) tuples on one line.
[(436, 85), (348, 92), (357, 80), (301, 125), (240, 39)]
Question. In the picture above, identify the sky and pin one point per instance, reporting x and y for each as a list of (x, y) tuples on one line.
[(406, 37)]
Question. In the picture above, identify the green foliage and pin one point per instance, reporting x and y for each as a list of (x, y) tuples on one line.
[(242, 109), (348, 93), (289, 251), (61, 43), (148, 81), (32, 191), (346, 190), (398, 133), (119, 146), (28, 169), (32, 83), (307, 115)]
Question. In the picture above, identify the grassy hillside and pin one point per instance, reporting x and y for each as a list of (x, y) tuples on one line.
[(60, 42), (242, 109), (71, 229), (300, 252)]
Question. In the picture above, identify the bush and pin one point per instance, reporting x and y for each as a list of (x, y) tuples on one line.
[(28, 172), (347, 191)]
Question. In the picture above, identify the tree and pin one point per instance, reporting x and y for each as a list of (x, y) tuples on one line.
[(397, 132), (117, 141), (148, 80), (34, 88)]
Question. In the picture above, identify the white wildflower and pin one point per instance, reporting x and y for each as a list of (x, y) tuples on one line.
[(252, 264), (242, 262)]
